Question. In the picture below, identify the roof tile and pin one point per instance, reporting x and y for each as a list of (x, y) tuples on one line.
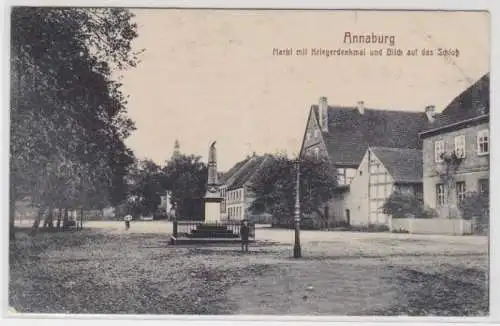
[(471, 103), (351, 133), (403, 164)]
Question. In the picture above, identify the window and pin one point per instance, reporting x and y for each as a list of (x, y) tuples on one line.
[(316, 152), (308, 135), (460, 191), (483, 146), (315, 133), (438, 150), (341, 176), (341, 179), (440, 194), (460, 146), (349, 174), (484, 186)]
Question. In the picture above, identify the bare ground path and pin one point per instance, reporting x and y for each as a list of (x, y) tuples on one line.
[(107, 270)]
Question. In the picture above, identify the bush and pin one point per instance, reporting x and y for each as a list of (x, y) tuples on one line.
[(369, 228), (475, 205), (400, 205)]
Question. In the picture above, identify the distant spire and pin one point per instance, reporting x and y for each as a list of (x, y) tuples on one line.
[(177, 149)]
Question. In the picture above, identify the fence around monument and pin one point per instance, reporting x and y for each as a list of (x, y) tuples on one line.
[(183, 228)]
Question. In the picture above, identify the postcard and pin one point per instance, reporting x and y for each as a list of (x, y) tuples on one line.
[(251, 162)]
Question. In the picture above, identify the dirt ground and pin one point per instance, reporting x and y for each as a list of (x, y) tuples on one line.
[(104, 269)]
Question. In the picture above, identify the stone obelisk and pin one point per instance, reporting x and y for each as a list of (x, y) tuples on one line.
[(212, 198)]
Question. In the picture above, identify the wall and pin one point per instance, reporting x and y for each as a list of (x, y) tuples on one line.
[(336, 207), (235, 204), (223, 204), (471, 169), (357, 197), (433, 226), (380, 187)]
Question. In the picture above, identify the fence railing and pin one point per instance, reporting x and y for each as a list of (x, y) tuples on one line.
[(184, 228)]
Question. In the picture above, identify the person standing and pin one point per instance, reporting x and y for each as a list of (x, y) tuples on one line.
[(127, 219), (244, 233)]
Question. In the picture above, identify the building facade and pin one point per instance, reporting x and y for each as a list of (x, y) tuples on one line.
[(344, 134), (456, 150), (381, 172), (235, 188)]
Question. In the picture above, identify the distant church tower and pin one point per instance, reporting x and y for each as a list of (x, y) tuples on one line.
[(177, 149)]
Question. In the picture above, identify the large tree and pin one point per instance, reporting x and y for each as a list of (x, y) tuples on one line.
[(68, 113), (145, 188), (275, 187), (185, 179)]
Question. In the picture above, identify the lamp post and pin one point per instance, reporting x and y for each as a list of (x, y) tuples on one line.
[(296, 246)]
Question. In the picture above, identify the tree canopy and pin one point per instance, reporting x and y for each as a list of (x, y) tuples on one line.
[(186, 178), (274, 186), (145, 188), (68, 113)]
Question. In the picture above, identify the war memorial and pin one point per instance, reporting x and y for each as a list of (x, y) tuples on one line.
[(213, 229)]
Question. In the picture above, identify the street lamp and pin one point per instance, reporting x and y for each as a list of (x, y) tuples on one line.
[(296, 246)]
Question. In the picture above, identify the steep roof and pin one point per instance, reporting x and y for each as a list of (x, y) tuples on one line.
[(471, 103), (247, 172), (350, 132), (225, 178), (403, 164)]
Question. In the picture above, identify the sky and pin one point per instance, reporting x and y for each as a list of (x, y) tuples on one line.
[(210, 75)]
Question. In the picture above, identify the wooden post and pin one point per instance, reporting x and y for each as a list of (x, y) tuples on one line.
[(81, 219), (175, 228)]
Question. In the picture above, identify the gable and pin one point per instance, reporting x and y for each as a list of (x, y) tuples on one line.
[(313, 137)]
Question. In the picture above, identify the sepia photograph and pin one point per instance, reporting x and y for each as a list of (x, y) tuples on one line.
[(182, 161)]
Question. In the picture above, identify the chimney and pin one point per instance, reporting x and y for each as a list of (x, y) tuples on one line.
[(430, 111), (361, 107), (323, 113)]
